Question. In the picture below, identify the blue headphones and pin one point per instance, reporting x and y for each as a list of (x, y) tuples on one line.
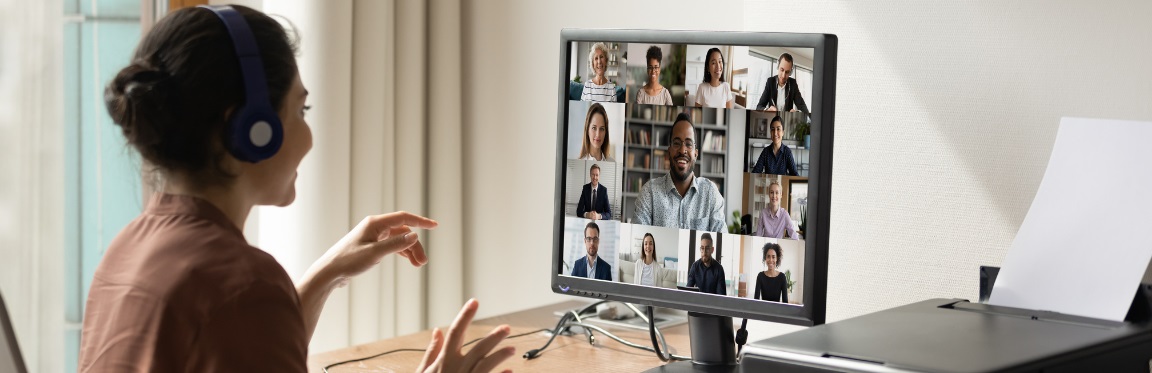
[(255, 131)]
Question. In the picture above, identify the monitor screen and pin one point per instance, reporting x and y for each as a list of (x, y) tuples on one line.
[(694, 170)]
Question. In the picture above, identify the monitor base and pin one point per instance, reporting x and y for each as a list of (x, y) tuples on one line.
[(690, 367), (713, 346)]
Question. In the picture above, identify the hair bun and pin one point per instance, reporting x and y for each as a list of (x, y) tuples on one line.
[(136, 100), (143, 82)]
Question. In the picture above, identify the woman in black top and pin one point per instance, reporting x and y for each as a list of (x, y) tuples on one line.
[(771, 285)]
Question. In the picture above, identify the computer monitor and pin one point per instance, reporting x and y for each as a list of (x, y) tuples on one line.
[(683, 160)]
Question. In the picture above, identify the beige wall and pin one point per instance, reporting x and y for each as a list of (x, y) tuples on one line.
[(946, 114)]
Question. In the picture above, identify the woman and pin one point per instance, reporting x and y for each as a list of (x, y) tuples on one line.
[(596, 145), (646, 267), (771, 285), (179, 289), (598, 88), (776, 159), (652, 93), (775, 221), (714, 91)]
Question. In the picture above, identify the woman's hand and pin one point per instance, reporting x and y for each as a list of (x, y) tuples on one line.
[(367, 244), (445, 355)]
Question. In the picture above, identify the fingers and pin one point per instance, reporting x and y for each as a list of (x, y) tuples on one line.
[(385, 222), (460, 325), (489, 363), (486, 345), (415, 254), (433, 350), (396, 244)]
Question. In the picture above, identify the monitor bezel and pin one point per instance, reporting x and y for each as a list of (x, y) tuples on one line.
[(819, 180)]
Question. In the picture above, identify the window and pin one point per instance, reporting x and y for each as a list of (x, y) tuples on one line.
[(103, 191)]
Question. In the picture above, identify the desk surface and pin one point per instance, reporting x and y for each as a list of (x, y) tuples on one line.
[(566, 352)]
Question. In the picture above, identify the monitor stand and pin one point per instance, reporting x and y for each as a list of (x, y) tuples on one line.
[(713, 346)]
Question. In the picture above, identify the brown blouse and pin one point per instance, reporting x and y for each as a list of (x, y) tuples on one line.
[(180, 290)]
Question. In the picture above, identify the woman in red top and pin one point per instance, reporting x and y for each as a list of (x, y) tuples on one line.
[(179, 289)]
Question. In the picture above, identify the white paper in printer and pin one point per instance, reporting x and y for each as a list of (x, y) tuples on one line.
[(1087, 239)]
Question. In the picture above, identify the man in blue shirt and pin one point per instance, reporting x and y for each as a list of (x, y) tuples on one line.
[(592, 266), (706, 273), (681, 199)]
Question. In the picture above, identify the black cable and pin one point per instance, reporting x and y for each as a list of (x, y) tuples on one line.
[(652, 334), (563, 325), (741, 337), (420, 350)]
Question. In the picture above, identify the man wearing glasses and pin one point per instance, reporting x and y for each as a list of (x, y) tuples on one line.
[(591, 266), (706, 274), (784, 95), (680, 199)]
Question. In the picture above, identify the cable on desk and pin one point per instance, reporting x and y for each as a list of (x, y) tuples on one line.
[(564, 324), (652, 332), (333, 365), (625, 342)]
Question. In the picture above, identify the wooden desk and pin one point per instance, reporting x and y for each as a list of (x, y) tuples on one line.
[(567, 353)]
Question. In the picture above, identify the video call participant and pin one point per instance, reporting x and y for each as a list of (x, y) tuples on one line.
[(775, 221), (776, 159), (771, 284), (706, 273), (180, 289), (680, 199), (784, 94), (647, 267), (598, 88), (652, 93), (592, 266), (714, 91), (593, 202), (597, 146)]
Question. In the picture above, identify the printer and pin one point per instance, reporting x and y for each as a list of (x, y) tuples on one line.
[(951, 335)]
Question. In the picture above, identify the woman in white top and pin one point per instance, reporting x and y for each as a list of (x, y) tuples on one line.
[(598, 88), (596, 145), (652, 93), (714, 91), (646, 266)]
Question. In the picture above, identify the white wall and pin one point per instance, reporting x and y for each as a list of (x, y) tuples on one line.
[(975, 90), (919, 201)]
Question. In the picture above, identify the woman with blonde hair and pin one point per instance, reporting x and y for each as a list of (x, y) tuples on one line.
[(596, 146), (598, 88)]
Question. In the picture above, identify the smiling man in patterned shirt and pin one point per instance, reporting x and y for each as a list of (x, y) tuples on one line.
[(681, 199)]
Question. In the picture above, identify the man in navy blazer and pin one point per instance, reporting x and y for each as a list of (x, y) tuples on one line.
[(601, 270), (792, 99), (593, 202)]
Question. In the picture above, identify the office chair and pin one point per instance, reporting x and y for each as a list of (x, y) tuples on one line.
[(10, 358)]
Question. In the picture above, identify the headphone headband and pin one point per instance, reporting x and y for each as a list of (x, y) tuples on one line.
[(256, 132)]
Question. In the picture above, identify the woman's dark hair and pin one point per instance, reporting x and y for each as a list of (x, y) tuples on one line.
[(708, 75), (654, 53), (776, 119), (171, 100), (774, 247), (644, 255)]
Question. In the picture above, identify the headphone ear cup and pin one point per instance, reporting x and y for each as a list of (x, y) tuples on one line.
[(255, 136)]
